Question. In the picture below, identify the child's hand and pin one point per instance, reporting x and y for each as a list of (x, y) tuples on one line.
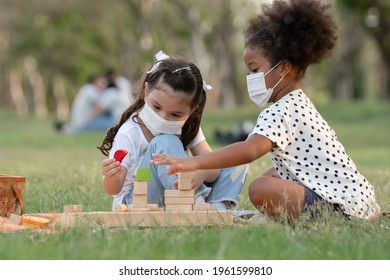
[(177, 164), (111, 167)]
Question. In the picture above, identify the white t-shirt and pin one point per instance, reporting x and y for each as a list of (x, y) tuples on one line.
[(131, 138), (113, 102), (125, 90), (84, 104), (308, 153)]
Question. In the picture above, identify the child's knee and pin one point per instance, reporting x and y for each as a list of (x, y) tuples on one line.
[(256, 191), (166, 144), (165, 140)]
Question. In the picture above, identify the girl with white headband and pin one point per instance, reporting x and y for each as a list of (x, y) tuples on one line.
[(165, 118)]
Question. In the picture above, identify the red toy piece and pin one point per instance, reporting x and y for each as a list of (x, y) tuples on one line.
[(120, 154)]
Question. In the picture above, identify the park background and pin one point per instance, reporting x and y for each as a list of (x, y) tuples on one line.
[(49, 48)]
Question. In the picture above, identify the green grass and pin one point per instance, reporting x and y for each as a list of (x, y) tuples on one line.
[(65, 169)]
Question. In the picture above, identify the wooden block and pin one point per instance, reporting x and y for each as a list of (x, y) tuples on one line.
[(184, 185), (178, 193), (173, 207), (148, 219), (140, 197), (184, 175), (179, 200), (73, 208), (143, 175), (140, 201), (154, 207), (140, 188), (120, 208), (202, 207), (15, 219), (132, 208)]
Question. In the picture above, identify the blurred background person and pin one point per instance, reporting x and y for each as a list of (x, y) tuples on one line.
[(85, 112), (116, 97), (122, 84), (97, 105)]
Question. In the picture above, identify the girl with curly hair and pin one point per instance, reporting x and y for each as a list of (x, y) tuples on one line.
[(310, 165)]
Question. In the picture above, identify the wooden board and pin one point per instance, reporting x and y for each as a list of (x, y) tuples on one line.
[(146, 219)]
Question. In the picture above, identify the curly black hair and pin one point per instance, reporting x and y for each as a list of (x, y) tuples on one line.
[(300, 31)]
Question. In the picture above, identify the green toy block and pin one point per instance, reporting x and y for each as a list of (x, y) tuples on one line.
[(143, 175)]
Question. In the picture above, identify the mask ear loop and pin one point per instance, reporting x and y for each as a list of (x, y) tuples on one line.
[(273, 68)]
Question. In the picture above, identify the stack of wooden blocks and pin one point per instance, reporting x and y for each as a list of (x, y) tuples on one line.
[(183, 199), (140, 194)]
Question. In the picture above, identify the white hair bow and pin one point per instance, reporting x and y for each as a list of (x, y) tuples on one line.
[(160, 56)]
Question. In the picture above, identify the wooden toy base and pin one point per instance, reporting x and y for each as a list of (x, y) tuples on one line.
[(147, 219)]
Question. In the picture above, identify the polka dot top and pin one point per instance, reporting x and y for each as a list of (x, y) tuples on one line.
[(308, 153)]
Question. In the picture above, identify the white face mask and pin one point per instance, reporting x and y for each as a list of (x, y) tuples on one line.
[(257, 88), (158, 125)]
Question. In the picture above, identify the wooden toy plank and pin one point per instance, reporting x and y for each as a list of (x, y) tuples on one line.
[(143, 175), (73, 208), (125, 208), (178, 193), (202, 207), (139, 204), (184, 185), (147, 219), (132, 208), (179, 200), (154, 207), (140, 188), (173, 207)]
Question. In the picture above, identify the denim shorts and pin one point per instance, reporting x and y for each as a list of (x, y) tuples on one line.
[(311, 198)]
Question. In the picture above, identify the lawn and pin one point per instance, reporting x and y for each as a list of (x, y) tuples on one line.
[(65, 169)]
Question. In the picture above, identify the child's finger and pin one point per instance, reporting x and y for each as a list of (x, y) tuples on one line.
[(171, 170), (159, 159)]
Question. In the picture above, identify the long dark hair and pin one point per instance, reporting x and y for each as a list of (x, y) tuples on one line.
[(189, 82)]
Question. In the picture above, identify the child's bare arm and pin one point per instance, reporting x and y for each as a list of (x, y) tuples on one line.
[(235, 154), (113, 176)]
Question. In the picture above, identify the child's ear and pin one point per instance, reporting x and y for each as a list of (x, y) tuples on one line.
[(286, 67)]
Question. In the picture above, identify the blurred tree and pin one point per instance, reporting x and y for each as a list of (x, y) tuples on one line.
[(53, 46), (374, 17)]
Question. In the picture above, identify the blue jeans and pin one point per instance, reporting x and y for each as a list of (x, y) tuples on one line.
[(226, 187), (102, 122)]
